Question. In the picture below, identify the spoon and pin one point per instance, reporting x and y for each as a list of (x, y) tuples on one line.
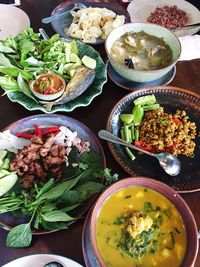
[(167, 161), (53, 264), (186, 26), (44, 34), (63, 12)]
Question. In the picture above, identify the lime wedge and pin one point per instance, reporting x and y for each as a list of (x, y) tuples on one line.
[(126, 118), (7, 183), (89, 62)]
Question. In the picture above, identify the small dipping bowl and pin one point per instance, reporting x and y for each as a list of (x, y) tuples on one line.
[(51, 76), (172, 196), (151, 29)]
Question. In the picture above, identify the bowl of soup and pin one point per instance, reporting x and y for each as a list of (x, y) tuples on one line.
[(142, 222), (142, 52)]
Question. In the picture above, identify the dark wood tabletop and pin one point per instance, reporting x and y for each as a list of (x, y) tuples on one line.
[(68, 242)]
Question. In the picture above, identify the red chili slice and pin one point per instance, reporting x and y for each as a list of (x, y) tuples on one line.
[(24, 135), (38, 130), (176, 120), (143, 145), (47, 90), (53, 129)]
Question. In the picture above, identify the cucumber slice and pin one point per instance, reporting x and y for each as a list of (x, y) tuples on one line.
[(145, 100), (89, 62), (3, 153), (7, 182), (4, 173), (6, 164)]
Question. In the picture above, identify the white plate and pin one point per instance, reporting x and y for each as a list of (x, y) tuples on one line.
[(13, 20), (139, 11), (40, 259)]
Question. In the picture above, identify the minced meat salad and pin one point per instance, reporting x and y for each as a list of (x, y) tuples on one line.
[(168, 133)]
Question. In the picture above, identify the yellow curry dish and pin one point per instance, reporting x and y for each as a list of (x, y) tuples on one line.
[(138, 227)]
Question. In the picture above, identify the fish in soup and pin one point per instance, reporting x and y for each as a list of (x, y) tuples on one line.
[(137, 226), (141, 51)]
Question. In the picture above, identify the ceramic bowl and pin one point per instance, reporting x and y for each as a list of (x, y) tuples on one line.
[(152, 29), (164, 190), (48, 97)]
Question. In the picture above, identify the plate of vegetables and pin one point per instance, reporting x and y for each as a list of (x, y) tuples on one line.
[(68, 70), (51, 169), (159, 119)]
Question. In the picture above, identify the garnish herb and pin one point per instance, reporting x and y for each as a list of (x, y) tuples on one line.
[(48, 204)]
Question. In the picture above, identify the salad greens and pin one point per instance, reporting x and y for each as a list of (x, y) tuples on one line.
[(25, 56), (52, 205)]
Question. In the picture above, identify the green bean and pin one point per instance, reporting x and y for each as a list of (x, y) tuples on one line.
[(126, 133), (129, 153), (122, 133), (151, 106), (132, 132), (137, 133)]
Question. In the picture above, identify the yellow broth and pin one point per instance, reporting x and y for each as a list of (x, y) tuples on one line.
[(146, 52), (168, 236)]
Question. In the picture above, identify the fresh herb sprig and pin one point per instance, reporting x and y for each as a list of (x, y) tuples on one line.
[(51, 205)]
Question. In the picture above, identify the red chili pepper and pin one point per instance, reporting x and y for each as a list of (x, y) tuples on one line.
[(176, 120), (47, 90), (143, 145), (51, 130), (38, 130), (25, 135)]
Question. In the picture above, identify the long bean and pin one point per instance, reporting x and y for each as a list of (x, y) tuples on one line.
[(130, 154)]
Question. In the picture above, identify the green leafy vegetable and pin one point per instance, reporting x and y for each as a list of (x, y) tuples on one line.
[(19, 236), (48, 204)]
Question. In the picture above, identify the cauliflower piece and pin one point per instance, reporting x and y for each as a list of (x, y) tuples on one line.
[(139, 223)]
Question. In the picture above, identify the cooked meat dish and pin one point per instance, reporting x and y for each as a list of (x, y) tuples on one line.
[(170, 17), (168, 133), (36, 161)]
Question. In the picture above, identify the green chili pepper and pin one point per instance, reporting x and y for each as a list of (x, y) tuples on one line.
[(138, 113)]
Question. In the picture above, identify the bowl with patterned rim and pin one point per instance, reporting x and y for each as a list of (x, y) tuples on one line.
[(62, 22), (7, 220), (171, 98)]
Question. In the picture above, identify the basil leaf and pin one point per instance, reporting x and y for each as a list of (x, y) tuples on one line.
[(20, 236), (52, 226), (46, 187), (70, 207), (58, 190), (57, 216)]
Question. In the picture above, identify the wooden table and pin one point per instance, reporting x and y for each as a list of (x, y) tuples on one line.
[(68, 243)]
